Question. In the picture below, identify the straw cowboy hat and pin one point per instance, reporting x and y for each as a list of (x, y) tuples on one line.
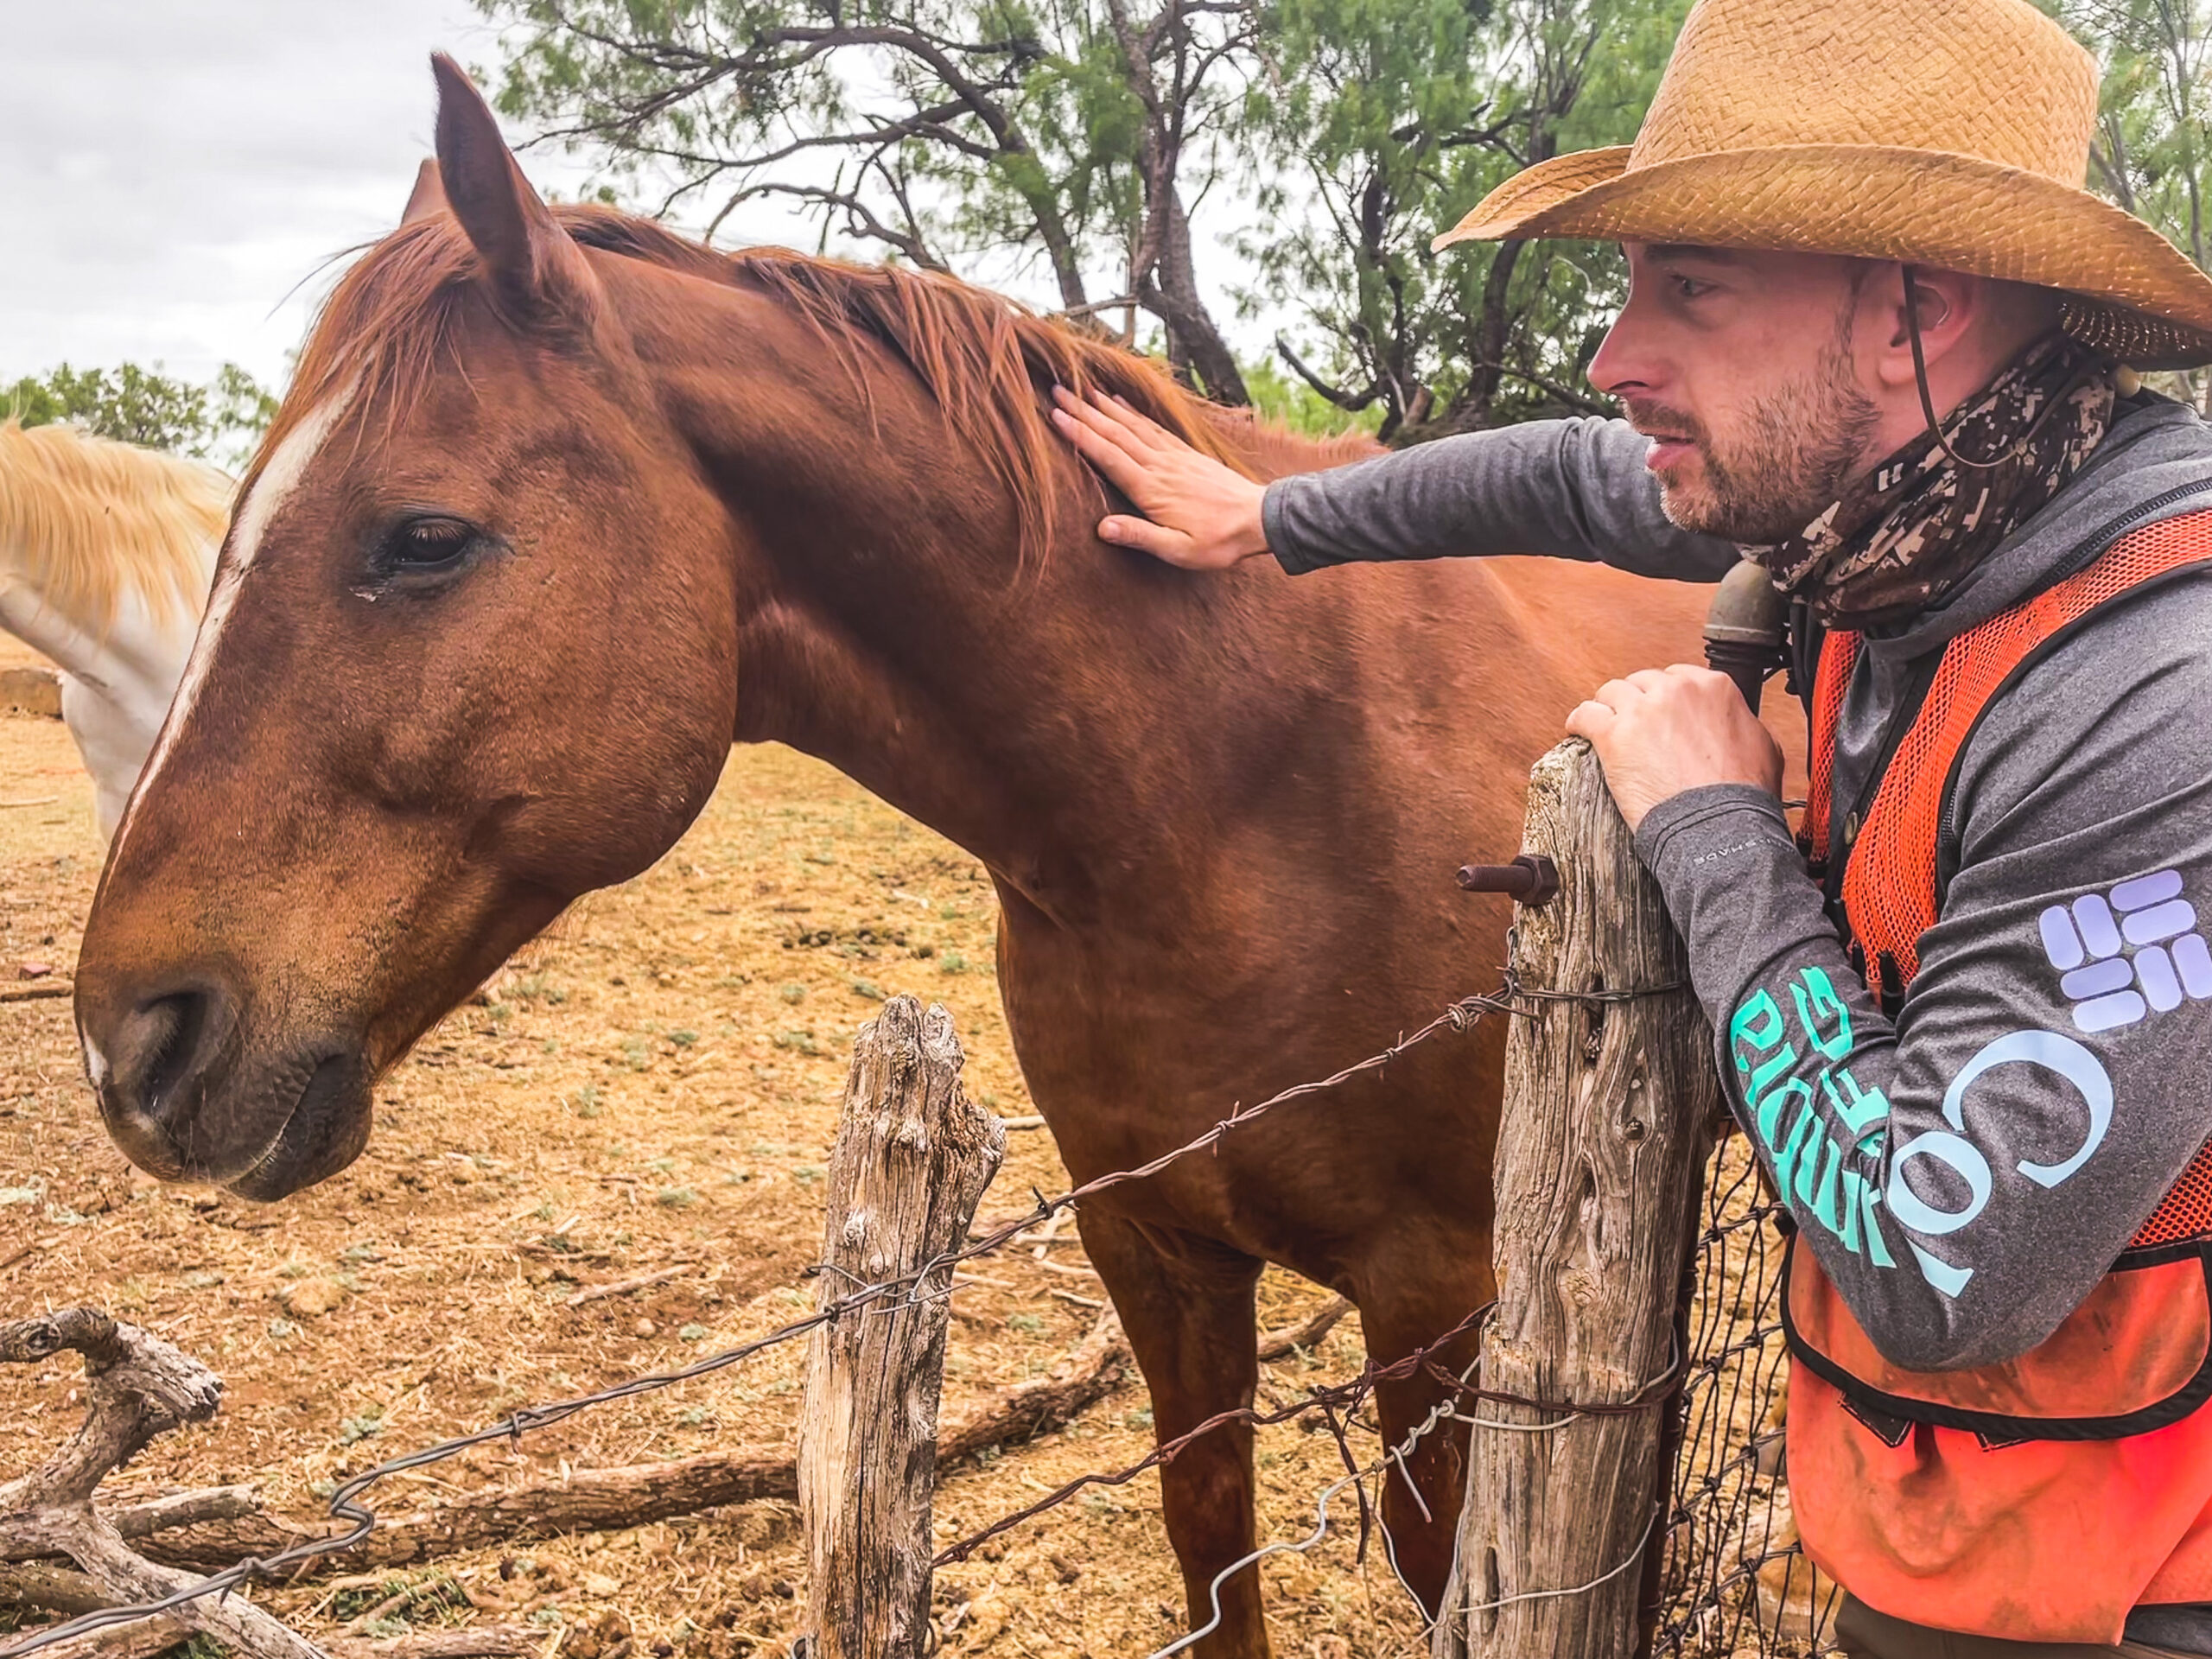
[(1953, 134)]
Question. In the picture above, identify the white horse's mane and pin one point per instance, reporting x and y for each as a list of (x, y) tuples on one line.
[(86, 520)]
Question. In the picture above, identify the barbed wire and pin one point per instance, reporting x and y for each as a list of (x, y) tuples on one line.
[(1656, 1393), (1356, 1479), (344, 1503), (1328, 1399)]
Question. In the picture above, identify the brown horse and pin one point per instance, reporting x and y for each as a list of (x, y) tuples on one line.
[(561, 505)]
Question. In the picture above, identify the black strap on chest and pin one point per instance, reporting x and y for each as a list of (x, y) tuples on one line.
[(1807, 636)]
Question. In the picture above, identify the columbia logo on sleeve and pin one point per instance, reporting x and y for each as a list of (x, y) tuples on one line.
[(2128, 953)]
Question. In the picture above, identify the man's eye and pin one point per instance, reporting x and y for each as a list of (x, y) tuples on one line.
[(1689, 288), (427, 544)]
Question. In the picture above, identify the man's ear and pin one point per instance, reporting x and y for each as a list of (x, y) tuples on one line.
[(1945, 303), (535, 267), (429, 195)]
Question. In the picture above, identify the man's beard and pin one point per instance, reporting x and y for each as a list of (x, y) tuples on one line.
[(1797, 449)]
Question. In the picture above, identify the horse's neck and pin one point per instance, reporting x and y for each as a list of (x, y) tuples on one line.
[(139, 652), (1086, 725), (106, 552), (1038, 720), (122, 674), (1088, 722)]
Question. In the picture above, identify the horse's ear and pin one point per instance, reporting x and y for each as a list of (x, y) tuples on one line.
[(429, 195), (529, 257)]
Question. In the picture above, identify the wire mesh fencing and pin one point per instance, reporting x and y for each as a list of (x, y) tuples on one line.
[(1733, 1581)]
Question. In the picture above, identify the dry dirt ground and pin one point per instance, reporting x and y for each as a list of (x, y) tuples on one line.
[(654, 1086)]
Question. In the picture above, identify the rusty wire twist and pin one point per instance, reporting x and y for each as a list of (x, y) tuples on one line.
[(1463, 1015)]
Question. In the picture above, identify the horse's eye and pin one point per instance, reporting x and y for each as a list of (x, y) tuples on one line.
[(426, 545)]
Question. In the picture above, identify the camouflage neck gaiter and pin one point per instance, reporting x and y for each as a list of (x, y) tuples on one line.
[(1905, 535)]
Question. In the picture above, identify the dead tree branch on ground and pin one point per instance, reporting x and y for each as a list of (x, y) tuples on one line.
[(609, 1499), (136, 1387)]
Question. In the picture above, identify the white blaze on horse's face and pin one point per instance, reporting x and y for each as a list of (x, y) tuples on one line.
[(277, 482)]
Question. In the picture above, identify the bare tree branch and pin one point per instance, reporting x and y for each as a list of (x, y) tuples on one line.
[(136, 1387), (1342, 399), (1565, 394)]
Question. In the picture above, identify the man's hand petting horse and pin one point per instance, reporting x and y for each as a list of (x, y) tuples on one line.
[(1197, 512)]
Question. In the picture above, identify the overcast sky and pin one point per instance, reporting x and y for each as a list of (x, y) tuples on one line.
[(174, 174)]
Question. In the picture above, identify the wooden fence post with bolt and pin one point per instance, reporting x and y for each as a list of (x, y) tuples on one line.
[(1611, 1100), (914, 1156)]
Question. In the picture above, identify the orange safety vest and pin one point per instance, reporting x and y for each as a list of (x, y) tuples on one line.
[(2044, 1498)]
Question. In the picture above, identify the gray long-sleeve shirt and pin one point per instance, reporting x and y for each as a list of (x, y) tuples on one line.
[(2091, 774), (1572, 489), (1967, 1173)]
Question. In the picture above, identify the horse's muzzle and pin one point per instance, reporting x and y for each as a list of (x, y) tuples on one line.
[(186, 1097)]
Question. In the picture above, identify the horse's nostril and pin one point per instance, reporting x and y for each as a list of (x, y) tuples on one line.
[(157, 1057), (169, 1039)]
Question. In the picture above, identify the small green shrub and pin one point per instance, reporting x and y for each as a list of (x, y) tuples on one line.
[(361, 1428)]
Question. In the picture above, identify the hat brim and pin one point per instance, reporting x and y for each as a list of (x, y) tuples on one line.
[(2139, 298)]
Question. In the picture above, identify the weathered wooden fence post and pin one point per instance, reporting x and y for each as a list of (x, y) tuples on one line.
[(1608, 1107), (914, 1157)]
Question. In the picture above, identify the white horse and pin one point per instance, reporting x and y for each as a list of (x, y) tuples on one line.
[(107, 551)]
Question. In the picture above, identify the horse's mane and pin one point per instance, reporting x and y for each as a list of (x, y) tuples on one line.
[(87, 520), (985, 359)]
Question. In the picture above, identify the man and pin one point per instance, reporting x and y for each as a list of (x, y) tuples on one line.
[(1876, 340)]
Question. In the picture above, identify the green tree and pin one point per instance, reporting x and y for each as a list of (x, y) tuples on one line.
[(1080, 132), (1292, 403), (239, 407), (2151, 151), (136, 405), (221, 420), (1412, 111), (1090, 135)]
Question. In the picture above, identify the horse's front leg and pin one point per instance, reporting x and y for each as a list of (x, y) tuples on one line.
[(1187, 1305), (1424, 1486)]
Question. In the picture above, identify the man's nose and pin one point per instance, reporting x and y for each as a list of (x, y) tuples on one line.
[(1640, 354), (1624, 365)]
